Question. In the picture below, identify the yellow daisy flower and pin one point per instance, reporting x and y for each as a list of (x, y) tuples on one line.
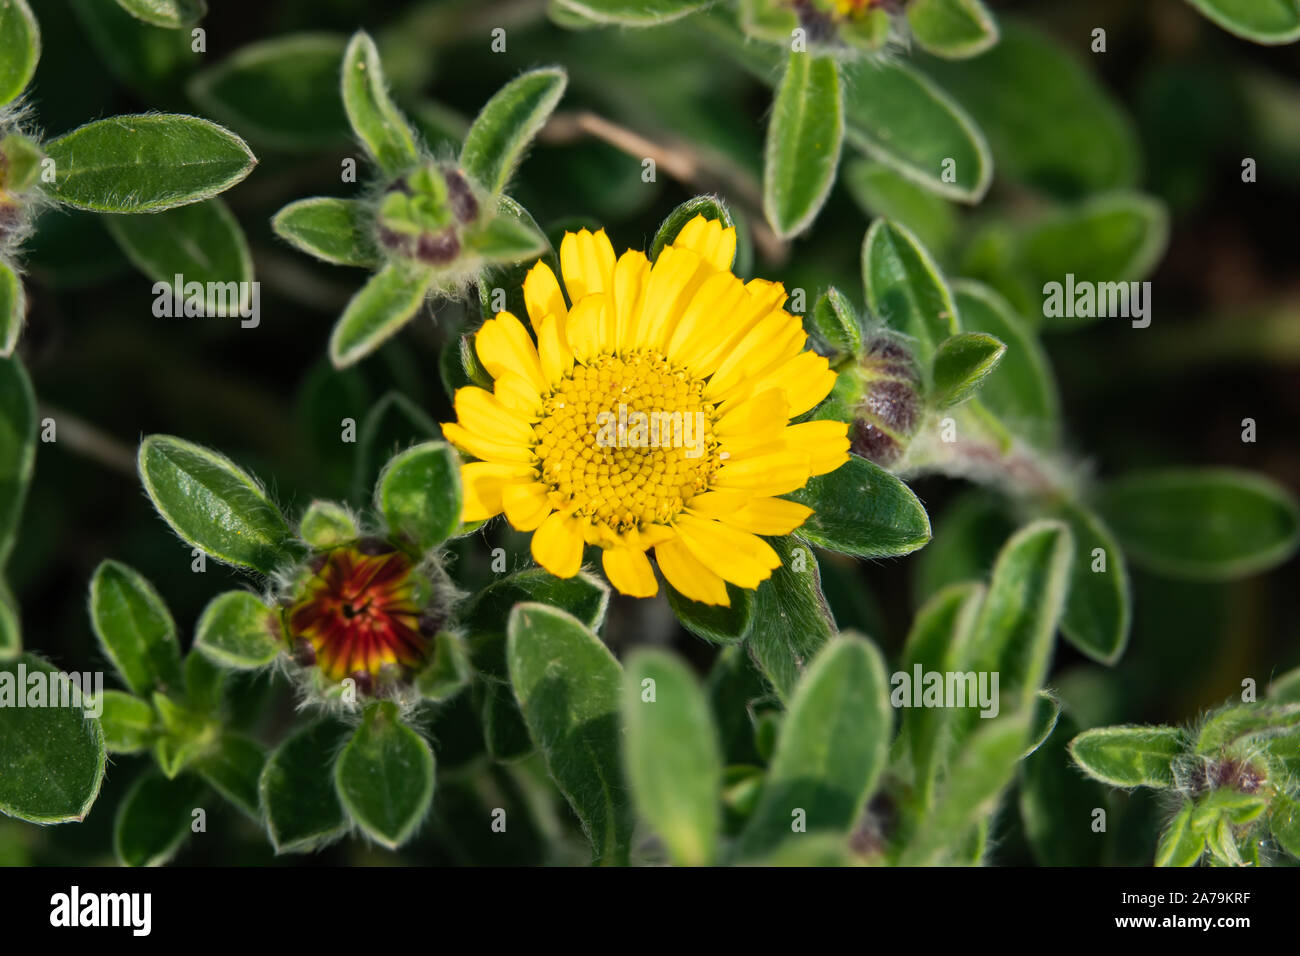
[(652, 413)]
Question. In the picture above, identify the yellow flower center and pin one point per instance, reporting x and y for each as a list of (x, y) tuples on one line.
[(627, 439)]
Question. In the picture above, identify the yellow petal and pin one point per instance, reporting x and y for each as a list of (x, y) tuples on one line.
[(826, 442), (744, 559), (806, 378), (712, 243), (542, 295), (503, 345), (481, 412), (519, 395), (583, 329), (553, 349), (777, 473), (675, 277), (629, 570), (631, 274), (483, 483), (688, 576), (526, 505), (768, 516), (708, 319), (485, 447), (557, 545), (587, 261)]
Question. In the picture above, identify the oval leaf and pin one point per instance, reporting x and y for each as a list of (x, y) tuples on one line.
[(672, 757), (146, 163), (1098, 611), (334, 230), (863, 510), (955, 29), (961, 364), (297, 792), (13, 309), (20, 48), (237, 630), (170, 14), (51, 758), (135, 629), (384, 776), (375, 120), (17, 448), (516, 113), (419, 494), (832, 747), (1260, 21), (129, 723), (202, 243), (1202, 524), (389, 299), (282, 91), (155, 818), (1129, 756), (568, 685), (905, 289), (632, 13), (803, 143), (214, 505)]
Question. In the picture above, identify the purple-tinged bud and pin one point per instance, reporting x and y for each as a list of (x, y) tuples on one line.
[(438, 249), (463, 204), (888, 410)]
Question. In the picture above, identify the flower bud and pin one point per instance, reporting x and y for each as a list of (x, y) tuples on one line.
[(887, 411)]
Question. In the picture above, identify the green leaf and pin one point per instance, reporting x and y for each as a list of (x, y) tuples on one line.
[(1202, 523), (1180, 845), (1129, 756), (233, 769), (632, 13), (1021, 392), (204, 683), (508, 237), (326, 525), (282, 92), (376, 121), (1253, 723), (11, 638), (333, 230), (1260, 21), (672, 757), (237, 630), (202, 242), (448, 671), (297, 793), (214, 505), (13, 309), (863, 510), (714, 622), (20, 48), (955, 29), (568, 686), (832, 747), (135, 629), (710, 207), (51, 758), (961, 363), (973, 788), (804, 137), (146, 163), (1050, 122), (883, 192), (1015, 630), (507, 124), (899, 117), (419, 494), (171, 14), (937, 643), (791, 620), (17, 448), (147, 59), (388, 300), (155, 818), (1285, 688), (1284, 823), (905, 289), (1056, 804), (129, 723), (1097, 612), (835, 321), (1111, 238), (384, 776)]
